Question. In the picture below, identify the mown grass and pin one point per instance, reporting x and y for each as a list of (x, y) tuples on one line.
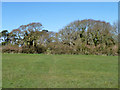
[(59, 71)]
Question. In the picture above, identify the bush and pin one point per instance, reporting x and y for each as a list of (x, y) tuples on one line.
[(31, 49), (59, 48), (11, 49), (26, 49), (40, 49)]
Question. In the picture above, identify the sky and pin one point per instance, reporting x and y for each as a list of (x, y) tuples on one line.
[(55, 15)]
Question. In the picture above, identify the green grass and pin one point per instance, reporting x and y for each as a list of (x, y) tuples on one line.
[(59, 71)]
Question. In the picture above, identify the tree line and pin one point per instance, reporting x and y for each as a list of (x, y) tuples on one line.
[(79, 37)]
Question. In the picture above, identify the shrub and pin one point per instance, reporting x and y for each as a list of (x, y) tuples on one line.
[(40, 49), (10, 49), (26, 49), (31, 49)]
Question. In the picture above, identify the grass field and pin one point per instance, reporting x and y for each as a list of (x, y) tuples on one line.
[(59, 71)]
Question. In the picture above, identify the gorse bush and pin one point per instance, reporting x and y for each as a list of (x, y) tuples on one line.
[(79, 37)]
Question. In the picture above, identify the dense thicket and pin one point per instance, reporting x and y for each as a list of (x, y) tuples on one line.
[(79, 37)]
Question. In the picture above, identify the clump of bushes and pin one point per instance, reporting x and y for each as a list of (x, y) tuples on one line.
[(32, 49), (40, 49), (26, 49), (23, 49), (11, 49), (59, 48)]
